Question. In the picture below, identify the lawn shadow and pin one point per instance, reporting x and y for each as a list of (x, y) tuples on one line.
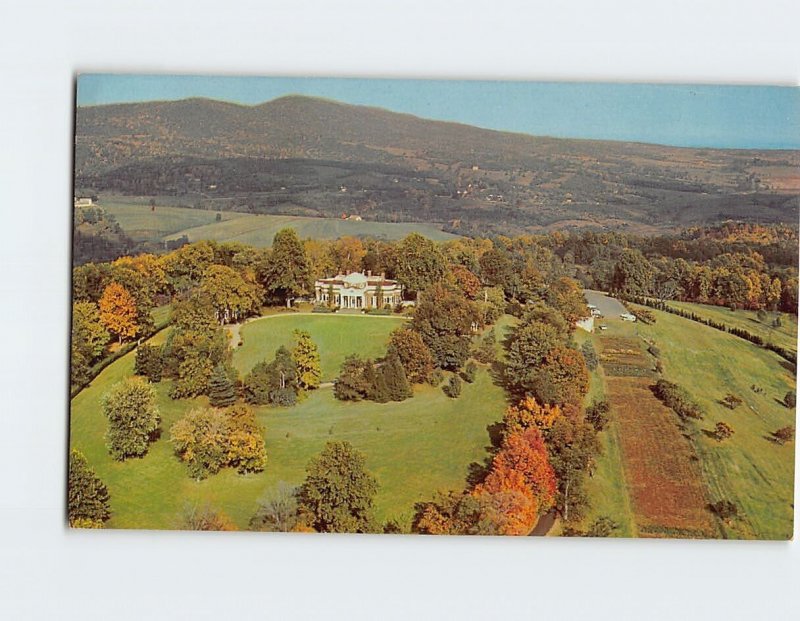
[(477, 472)]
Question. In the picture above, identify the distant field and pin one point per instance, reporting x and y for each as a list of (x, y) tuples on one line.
[(747, 469), (785, 335), (166, 222), (336, 336), (141, 223), (413, 447)]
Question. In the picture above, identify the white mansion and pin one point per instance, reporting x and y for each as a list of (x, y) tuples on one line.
[(357, 290)]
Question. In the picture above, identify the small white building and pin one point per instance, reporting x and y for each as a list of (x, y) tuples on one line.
[(627, 317), (83, 201), (357, 290)]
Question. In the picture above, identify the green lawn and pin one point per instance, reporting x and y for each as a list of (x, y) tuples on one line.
[(414, 447), (785, 335), (747, 469), (336, 336)]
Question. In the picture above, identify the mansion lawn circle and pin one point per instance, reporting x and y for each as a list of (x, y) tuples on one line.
[(413, 448), (336, 336)]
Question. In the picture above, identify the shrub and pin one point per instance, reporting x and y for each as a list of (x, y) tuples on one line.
[(654, 351), (724, 509), (149, 362), (486, 351), (453, 388), (598, 414), (731, 401), (790, 399), (470, 371), (590, 355), (436, 378), (677, 399), (221, 390), (133, 418), (722, 431), (784, 434)]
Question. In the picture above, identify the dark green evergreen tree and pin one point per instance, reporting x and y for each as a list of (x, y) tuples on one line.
[(394, 377), (88, 499), (221, 391)]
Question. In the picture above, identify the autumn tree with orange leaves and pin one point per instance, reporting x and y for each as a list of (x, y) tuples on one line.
[(118, 311)]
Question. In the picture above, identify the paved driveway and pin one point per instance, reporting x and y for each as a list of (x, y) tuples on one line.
[(608, 306)]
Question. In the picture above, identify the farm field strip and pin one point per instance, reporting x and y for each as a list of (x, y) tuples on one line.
[(664, 481)]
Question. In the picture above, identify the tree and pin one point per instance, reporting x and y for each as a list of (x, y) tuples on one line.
[(466, 281), (486, 352), (420, 263), (338, 492), (562, 377), (507, 507), (133, 418), (529, 413), (88, 498), (287, 273), (246, 450), (232, 297), (204, 517), (524, 453), (633, 274), (790, 399), (347, 253), (221, 391), (351, 384), (277, 510), (497, 269), (414, 355), (88, 332), (209, 439), (149, 362), (724, 510), (731, 401), (526, 348), (118, 312), (453, 387), (566, 297), (470, 372), (306, 357), (445, 319), (394, 376), (598, 414), (572, 447)]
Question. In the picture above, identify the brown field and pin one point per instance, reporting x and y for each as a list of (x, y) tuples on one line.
[(623, 356), (661, 467)]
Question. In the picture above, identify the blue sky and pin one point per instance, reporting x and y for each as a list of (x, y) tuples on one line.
[(683, 115)]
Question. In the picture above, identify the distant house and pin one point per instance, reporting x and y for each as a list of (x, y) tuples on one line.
[(354, 217), (627, 317), (84, 201), (357, 290)]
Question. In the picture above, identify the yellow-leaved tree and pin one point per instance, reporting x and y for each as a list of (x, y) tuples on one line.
[(118, 311)]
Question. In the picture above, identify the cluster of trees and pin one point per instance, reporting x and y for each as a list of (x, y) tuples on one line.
[(209, 439), (337, 496), (285, 378), (363, 379), (519, 486), (88, 500)]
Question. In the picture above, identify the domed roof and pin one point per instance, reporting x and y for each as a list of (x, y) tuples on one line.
[(355, 279)]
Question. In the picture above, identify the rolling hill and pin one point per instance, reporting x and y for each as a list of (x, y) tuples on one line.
[(304, 156)]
